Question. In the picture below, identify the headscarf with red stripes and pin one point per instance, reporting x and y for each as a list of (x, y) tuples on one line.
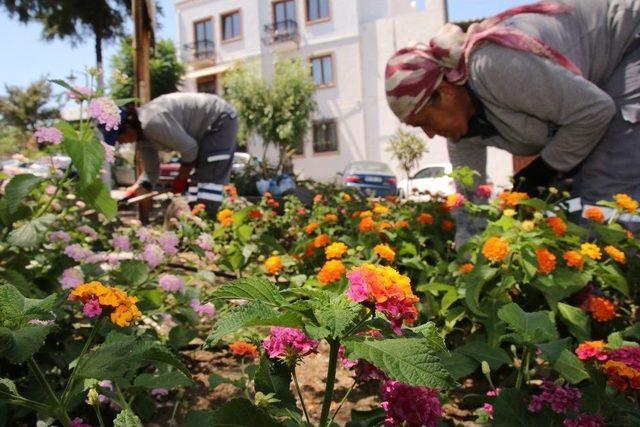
[(414, 73)]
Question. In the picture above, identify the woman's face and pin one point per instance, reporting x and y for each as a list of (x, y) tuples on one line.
[(447, 114)]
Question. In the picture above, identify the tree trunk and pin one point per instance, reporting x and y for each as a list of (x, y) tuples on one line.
[(98, 47)]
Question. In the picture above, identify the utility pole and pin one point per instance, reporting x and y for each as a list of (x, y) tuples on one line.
[(445, 9)]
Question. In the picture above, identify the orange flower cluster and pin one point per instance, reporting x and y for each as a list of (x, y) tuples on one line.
[(574, 259), (425, 218), (381, 209), (311, 227), (273, 264), (511, 199), (321, 241), (495, 249), (621, 375), (616, 254), (454, 201), (626, 203), (601, 309), (401, 223), (366, 214), (331, 271), (225, 217), (121, 308), (466, 268), (255, 214), (557, 225), (448, 225), (594, 214), (591, 250), (346, 197), (330, 218), (244, 349), (366, 225), (385, 252), (546, 261), (335, 250), (231, 191), (197, 209)]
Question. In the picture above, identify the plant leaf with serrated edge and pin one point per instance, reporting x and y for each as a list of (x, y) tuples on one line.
[(335, 312), (215, 380), (254, 313), (429, 331), (18, 189), (26, 342), (474, 282), (480, 351), (164, 380), (410, 360), (31, 233), (532, 327), (576, 320), (241, 413), (126, 418), (132, 272), (275, 377), (570, 367), (9, 386), (87, 157), (98, 196), (251, 289)]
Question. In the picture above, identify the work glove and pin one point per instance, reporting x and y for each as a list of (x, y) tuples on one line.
[(535, 178)]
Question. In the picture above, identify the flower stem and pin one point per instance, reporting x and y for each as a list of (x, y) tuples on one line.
[(344, 399), (71, 383), (331, 379), (295, 382), (56, 406)]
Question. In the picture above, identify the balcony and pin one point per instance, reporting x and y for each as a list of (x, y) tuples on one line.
[(199, 54), (282, 35)]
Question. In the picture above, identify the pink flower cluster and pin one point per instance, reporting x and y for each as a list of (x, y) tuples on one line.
[(205, 242), (152, 255), (364, 371), (71, 278), (78, 252), (109, 153), (629, 355), (144, 235), (121, 242), (584, 420), (171, 283), (289, 344), (561, 398), (79, 422), (202, 310), (105, 111), (59, 236), (169, 241), (92, 308), (84, 91), (48, 134), (483, 191), (415, 406), (90, 232)]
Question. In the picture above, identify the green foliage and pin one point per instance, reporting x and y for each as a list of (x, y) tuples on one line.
[(408, 149), (251, 289), (275, 377), (126, 418), (165, 69), (24, 109), (528, 327)]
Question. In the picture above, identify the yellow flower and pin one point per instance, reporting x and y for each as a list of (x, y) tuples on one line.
[(528, 225), (626, 203), (590, 250), (385, 252), (331, 271), (509, 212), (335, 250), (273, 264), (495, 249), (346, 197), (123, 309), (331, 218), (321, 240), (311, 227), (366, 214), (380, 209), (616, 254), (225, 217)]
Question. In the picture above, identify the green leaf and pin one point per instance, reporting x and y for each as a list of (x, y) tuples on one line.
[(474, 283), (9, 386), (215, 380), (612, 277), (533, 327), (459, 365), (18, 189), (163, 380), (180, 336), (429, 331), (16, 308), (98, 196), (241, 413), (87, 157), (480, 351), (570, 367), (126, 418), (199, 419), (251, 289), (374, 417), (552, 350), (31, 233), (68, 87), (132, 272), (510, 410), (334, 312), (25, 342), (275, 377), (255, 313), (410, 360), (576, 320), (561, 283)]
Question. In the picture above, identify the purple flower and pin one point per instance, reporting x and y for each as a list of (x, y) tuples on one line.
[(202, 310), (77, 252), (585, 420), (144, 235), (171, 283), (71, 278), (152, 255), (205, 242), (290, 344), (105, 111), (90, 232), (109, 154), (358, 289), (417, 406), (628, 355), (488, 408), (561, 398), (79, 422), (169, 242), (48, 134), (59, 236), (483, 191), (92, 308), (121, 242), (159, 392), (84, 92)]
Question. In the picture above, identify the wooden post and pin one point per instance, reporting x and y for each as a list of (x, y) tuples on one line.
[(143, 40)]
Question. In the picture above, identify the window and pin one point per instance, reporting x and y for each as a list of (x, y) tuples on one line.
[(284, 14), (433, 172), (203, 38), (322, 70), (325, 136), (207, 84), (317, 10), (231, 26)]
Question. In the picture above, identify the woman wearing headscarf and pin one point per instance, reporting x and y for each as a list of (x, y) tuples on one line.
[(560, 80)]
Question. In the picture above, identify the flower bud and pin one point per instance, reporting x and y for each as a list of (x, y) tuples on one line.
[(93, 397), (486, 369), (538, 216), (528, 225), (553, 190), (509, 212)]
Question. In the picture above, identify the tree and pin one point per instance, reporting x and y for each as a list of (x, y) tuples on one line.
[(24, 109), (408, 149), (278, 111), (75, 19), (166, 71)]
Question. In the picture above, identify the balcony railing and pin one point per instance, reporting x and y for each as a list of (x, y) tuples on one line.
[(199, 51), (282, 31)]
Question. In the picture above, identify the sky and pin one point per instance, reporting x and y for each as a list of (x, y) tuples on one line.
[(26, 57)]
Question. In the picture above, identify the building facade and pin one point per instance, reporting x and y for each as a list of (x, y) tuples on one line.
[(346, 43)]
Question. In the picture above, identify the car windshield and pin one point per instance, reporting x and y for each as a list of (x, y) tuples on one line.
[(364, 167)]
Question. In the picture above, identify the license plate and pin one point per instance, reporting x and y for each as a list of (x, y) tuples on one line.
[(376, 179)]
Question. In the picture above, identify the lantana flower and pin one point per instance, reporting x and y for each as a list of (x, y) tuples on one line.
[(48, 134), (335, 250), (511, 199), (557, 225), (331, 271), (592, 350), (366, 224), (495, 249), (616, 254), (105, 111), (574, 259), (466, 268), (225, 217), (483, 191), (273, 264), (408, 405), (584, 420), (384, 251), (321, 241), (171, 283), (626, 203), (560, 398), (591, 250), (99, 299), (203, 310), (594, 214), (244, 349), (454, 201), (311, 227), (425, 218), (601, 309), (288, 344), (546, 261)]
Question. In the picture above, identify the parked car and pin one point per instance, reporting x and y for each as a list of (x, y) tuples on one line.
[(432, 179), (374, 178)]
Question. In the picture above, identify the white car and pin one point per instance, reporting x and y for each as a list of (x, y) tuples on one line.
[(432, 179)]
